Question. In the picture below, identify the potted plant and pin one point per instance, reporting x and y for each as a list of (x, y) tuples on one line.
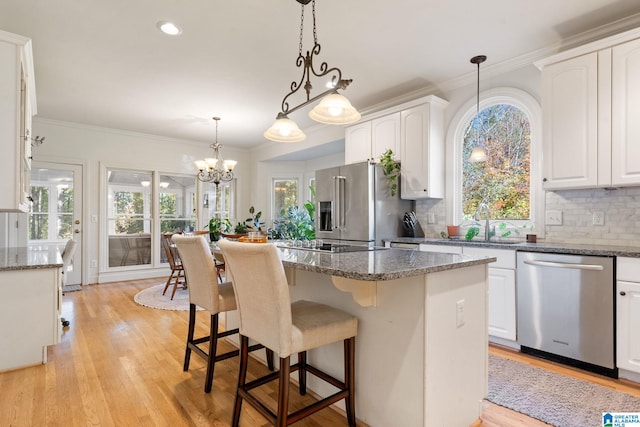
[(253, 222), (217, 226), (391, 170)]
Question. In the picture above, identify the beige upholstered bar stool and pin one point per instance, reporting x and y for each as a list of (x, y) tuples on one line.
[(205, 292), (268, 316)]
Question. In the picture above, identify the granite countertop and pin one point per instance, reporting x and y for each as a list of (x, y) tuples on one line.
[(563, 248), (25, 258), (384, 264)]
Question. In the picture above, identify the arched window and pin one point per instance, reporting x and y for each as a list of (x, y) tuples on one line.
[(507, 128)]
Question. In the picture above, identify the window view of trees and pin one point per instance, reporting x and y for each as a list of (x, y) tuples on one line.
[(39, 217), (285, 194), (51, 221), (503, 181), (129, 212)]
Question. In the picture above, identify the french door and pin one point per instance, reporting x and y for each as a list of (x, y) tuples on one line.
[(56, 214)]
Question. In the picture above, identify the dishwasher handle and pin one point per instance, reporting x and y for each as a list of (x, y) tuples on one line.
[(592, 267)]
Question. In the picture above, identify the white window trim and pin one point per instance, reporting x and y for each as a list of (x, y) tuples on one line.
[(501, 95)]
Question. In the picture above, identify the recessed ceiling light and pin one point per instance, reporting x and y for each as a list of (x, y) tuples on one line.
[(169, 28)]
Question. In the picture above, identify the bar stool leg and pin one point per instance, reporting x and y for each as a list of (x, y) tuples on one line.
[(242, 377), (302, 372), (213, 347), (270, 364), (349, 379), (192, 326), (283, 392)]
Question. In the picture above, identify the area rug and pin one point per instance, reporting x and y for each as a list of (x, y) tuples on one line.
[(553, 398), (152, 297)]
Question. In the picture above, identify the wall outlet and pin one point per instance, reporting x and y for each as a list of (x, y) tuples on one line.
[(598, 218), (459, 313), (431, 218), (94, 263), (553, 218)]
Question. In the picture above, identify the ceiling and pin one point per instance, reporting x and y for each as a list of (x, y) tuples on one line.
[(104, 62)]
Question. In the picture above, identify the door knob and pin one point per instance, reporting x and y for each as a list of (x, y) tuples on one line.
[(623, 293), (76, 231), (77, 221)]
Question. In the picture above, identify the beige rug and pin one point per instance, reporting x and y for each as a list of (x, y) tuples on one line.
[(152, 297)]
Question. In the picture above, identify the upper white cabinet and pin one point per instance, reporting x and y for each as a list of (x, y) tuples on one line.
[(17, 106), (590, 105), (422, 149), (369, 140), (415, 133)]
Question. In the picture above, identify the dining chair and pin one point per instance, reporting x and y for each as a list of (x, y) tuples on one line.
[(205, 292), (268, 317), (177, 269)]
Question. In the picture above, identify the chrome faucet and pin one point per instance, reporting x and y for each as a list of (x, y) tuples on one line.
[(483, 207)]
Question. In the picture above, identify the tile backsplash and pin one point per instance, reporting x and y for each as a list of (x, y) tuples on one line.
[(621, 209)]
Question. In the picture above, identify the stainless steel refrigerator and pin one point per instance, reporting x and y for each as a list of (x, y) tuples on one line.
[(354, 205)]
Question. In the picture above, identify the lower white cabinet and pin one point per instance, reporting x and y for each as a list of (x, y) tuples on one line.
[(502, 291), (30, 309), (628, 314), (502, 287)]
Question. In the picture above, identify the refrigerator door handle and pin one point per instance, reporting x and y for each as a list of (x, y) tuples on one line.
[(335, 206), (338, 199)]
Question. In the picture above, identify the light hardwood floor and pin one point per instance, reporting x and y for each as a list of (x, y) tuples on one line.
[(120, 364)]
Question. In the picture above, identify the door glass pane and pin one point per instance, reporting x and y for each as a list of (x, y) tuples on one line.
[(39, 216), (129, 217), (64, 212)]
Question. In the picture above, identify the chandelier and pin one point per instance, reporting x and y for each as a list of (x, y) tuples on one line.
[(215, 169), (333, 109)]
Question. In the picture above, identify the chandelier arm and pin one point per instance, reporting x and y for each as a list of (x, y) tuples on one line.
[(301, 61)]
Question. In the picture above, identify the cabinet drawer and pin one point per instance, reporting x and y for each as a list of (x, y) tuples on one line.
[(628, 269), (443, 249), (505, 257)]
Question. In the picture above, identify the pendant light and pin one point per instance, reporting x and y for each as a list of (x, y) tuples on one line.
[(478, 154), (333, 109)]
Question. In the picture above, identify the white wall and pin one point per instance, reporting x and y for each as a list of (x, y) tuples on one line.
[(93, 147)]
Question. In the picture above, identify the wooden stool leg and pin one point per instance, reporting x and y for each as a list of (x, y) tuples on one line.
[(192, 326), (349, 379), (302, 372), (213, 347), (270, 364), (168, 282), (283, 392), (242, 377)]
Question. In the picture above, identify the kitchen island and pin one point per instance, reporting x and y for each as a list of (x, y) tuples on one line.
[(421, 349), (30, 286)]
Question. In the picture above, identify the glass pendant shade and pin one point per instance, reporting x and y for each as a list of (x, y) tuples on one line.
[(478, 155), (284, 130), (334, 109)]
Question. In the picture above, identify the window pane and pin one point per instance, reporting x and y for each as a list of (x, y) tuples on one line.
[(176, 205), (220, 203), (65, 224), (285, 194), (129, 217), (503, 180)]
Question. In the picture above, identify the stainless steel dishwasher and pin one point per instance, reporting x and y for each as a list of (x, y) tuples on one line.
[(566, 309)]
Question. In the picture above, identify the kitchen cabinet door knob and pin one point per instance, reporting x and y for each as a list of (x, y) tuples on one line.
[(623, 293), (544, 179)]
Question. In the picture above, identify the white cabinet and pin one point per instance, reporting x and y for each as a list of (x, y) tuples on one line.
[(371, 139), (590, 105), (17, 105), (628, 314), (422, 147), (502, 288), (502, 291), (30, 312)]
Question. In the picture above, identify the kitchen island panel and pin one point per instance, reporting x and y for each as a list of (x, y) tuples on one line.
[(414, 365)]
